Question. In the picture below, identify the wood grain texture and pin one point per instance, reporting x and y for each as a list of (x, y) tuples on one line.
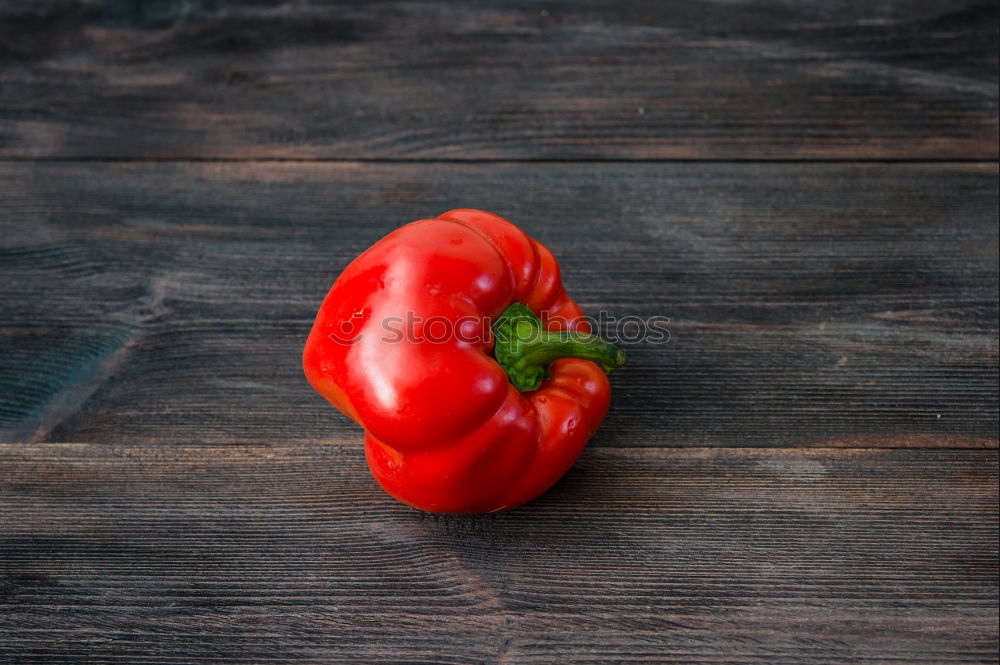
[(291, 554), (915, 79), (837, 305)]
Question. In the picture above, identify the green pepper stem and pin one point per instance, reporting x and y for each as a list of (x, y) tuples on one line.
[(525, 349)]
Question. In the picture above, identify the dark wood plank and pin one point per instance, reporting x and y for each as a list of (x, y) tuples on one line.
[(500, 79), (292, 555), (837, 305)]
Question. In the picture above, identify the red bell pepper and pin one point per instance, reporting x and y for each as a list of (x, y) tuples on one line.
[(431, 340)]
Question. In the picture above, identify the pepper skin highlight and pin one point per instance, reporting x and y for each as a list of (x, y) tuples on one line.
[(456, 420)]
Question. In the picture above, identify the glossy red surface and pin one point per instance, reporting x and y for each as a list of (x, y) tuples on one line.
[(445, 429)]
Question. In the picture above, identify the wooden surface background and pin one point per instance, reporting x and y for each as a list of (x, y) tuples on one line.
[(806, 473)]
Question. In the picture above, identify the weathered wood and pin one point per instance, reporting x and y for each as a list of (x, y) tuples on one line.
[(187, 554), (459, 80), (830, 312), (836, 305)]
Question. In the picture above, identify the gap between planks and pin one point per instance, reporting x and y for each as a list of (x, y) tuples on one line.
[(475, 160)]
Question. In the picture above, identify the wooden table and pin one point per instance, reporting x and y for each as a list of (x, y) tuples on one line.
[(806, 473)]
